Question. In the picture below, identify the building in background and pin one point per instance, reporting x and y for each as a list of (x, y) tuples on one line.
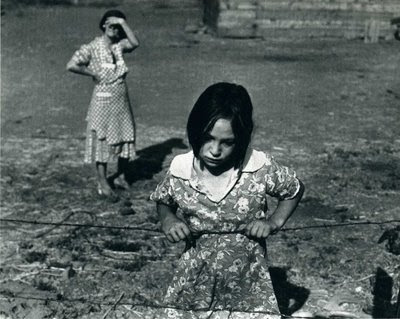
[(368, 19)]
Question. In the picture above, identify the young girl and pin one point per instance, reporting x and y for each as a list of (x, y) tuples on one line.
[(110, 130), (221, 188)]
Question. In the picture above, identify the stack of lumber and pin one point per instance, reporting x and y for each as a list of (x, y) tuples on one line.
[(368, 19)]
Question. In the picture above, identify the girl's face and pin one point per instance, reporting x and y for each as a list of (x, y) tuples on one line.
[(218, 147)]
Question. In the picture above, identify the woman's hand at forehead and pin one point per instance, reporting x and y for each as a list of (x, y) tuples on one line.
[(114, 20)]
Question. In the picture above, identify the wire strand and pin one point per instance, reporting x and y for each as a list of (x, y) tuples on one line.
[(24, 221), (145, 304), (160, 306)]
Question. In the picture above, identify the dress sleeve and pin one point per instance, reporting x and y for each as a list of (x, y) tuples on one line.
[(164, 192), (281, 181), (83, 55)]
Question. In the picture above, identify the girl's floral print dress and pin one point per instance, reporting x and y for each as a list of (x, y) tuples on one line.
[(224, 271), (111, 129)]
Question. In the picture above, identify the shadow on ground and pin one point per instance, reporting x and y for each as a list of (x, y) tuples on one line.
[(150, 160), (290, 297), (382, 292)]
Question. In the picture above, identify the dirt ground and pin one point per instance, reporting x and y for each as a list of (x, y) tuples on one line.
[(329, 108)]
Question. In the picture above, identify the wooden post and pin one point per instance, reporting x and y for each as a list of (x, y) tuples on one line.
[(396, 22), (371, 31)]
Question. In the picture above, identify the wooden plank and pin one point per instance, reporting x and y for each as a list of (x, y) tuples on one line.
[(344, 18), (310, 33), (228, 15), (392, 6), (301, 33), (364, 2), (301, 24), (237, 4), (323, 15), (318, 30)]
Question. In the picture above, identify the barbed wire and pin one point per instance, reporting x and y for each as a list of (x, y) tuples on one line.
[(24, 221), (146, 304), (140, 228), (153, 305)]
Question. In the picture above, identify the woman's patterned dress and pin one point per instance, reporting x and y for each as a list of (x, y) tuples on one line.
[(224, 271), (111, 128)]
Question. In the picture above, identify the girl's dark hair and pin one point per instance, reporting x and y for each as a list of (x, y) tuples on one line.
[(222, 100), (113, 13)]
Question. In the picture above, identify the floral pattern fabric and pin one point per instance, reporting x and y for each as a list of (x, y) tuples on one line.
[(225, 271)]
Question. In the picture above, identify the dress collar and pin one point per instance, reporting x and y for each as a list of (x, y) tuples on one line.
[(182, 165)]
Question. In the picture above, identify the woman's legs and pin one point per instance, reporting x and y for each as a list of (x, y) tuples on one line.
[(122, 168), (103, 186)]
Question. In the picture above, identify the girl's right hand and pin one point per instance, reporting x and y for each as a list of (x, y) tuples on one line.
[(175, 230), (260, 229)]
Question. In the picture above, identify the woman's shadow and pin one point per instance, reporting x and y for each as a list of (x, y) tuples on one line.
[(289, 296), (150, 160), (382, 292)]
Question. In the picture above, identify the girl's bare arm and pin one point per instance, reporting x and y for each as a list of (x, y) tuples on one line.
[(174, 228), (284, 209)]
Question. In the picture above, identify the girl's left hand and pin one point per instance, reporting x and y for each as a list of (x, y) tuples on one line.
[(260, 229)]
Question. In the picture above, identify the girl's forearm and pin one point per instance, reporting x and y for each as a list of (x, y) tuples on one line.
[(166, 212), (285, 209), (174, 229)]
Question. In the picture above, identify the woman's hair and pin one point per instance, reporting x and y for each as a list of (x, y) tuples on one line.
[(222, 101), (113, 13)]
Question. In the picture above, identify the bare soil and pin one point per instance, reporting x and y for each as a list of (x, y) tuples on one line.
[(327, 107)]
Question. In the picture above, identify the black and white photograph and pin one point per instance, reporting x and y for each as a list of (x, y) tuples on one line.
[(200, 159)]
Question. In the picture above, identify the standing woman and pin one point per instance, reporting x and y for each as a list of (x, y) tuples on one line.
[(111, 127)]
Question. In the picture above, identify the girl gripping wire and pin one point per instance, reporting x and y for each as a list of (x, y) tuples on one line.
[(110, 129), (221, 188)]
